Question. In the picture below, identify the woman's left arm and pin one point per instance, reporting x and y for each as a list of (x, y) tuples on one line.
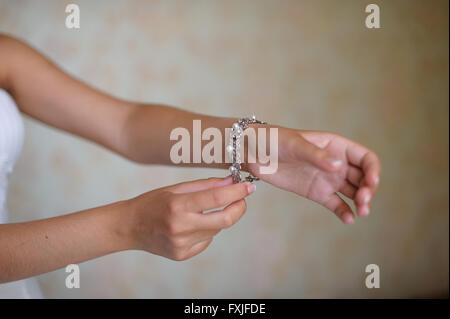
[(316, 165), (139, 132)]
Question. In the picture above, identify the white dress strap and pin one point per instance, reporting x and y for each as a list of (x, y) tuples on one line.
[(11, 143)]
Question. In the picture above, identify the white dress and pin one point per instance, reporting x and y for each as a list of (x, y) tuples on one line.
[(11, 142)]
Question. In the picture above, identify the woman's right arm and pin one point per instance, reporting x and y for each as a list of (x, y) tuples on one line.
[(168, 221)]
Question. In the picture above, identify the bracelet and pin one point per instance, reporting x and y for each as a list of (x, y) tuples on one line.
[(233, 148)]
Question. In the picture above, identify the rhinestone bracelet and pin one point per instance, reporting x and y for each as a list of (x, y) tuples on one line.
[(233, 148)]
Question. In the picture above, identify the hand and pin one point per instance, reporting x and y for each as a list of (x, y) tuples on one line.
[(171, 222), (319, 165)]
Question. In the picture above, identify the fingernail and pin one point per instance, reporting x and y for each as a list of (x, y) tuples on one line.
[(367, 199), (348, 219), (365, 211), (251, 188), (377, 180), (333, 162)]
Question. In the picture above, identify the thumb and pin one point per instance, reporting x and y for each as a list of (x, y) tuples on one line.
[(306, 151), (200, 185)]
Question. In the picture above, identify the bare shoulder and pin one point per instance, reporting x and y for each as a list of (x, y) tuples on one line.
[(8, 40)]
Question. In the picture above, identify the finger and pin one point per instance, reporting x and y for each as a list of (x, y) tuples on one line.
[(372, 168), (362, 201), (355, 175), (198, 248), (224, 218), (216, 197), (200, 185), (367, 160), (306, 151), (340, 208), (348, 190)]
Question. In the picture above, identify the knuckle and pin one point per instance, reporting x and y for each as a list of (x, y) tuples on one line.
[(179, 255), (243, 206), (174, 205), (173, 227), (377, 160), (227, 220), (240, 208), (371, 156), (218, 198), (178, 243), (206, 245), (244, 189)]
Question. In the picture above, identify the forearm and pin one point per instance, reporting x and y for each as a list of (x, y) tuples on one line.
[(32, 248), (148, 132), (46, 93)]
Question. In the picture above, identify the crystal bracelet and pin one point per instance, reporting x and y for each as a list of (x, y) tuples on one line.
[(233, 148)]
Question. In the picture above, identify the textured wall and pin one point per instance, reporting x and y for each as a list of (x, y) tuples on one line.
[(305, 64)]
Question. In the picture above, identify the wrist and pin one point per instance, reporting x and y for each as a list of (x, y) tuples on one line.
[(122, 226), (251, 160)]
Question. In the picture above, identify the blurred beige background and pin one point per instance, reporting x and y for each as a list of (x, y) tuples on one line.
[(304, 64)]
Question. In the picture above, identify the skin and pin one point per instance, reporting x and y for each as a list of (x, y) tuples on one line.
[(169, 221)]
